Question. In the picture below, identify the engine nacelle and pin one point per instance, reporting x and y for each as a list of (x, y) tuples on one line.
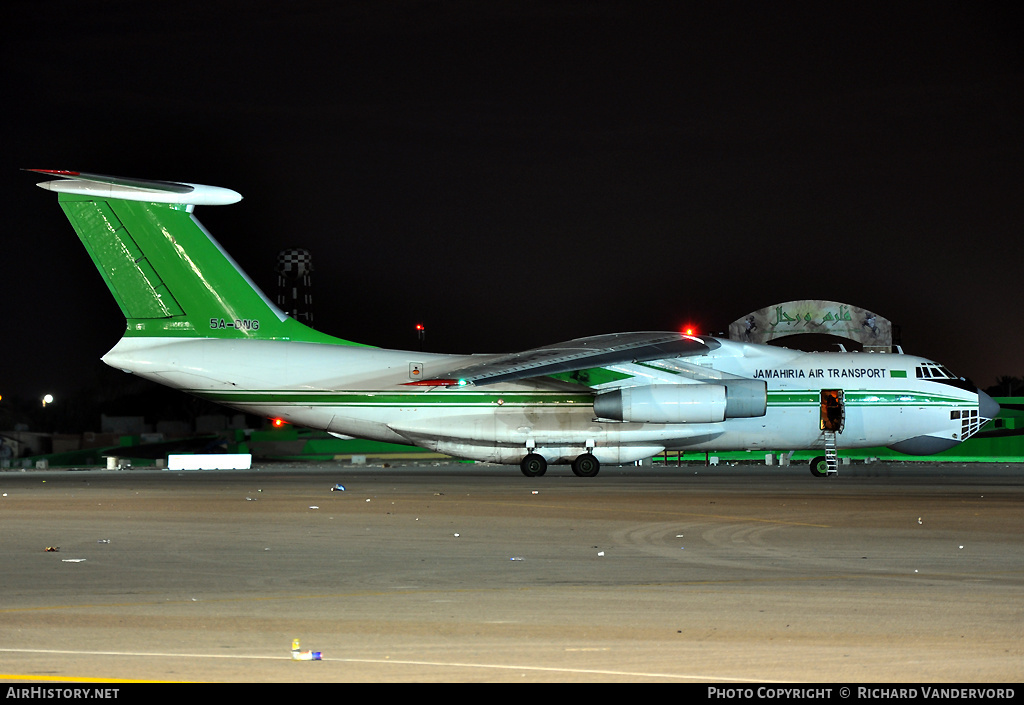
[(684, 403), (745, 398)]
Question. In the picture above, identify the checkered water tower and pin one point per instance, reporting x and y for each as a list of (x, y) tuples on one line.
[(295, 284)]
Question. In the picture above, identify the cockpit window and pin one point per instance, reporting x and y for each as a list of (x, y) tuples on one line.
[(933, 370), (939, 373)]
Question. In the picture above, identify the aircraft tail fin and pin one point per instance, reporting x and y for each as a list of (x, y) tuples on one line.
[(170, 277)]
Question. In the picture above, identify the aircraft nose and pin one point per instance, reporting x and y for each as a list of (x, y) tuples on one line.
[(987, 406)]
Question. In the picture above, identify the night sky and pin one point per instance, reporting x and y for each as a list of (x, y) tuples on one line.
[(513, 174)]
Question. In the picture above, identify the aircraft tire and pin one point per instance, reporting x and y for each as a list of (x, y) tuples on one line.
[(819, 468), (586, 465), (533, 465)]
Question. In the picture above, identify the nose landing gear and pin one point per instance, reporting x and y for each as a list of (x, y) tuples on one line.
[(819, 467)]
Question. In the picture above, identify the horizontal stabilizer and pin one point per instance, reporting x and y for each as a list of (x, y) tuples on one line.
[(145, 190)]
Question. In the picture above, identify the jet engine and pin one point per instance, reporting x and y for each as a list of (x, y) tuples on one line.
[(684, 403)]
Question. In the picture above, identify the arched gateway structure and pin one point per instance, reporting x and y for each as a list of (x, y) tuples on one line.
[(814, 316)]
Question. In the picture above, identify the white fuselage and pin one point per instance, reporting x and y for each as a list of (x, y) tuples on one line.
[(366, 392)]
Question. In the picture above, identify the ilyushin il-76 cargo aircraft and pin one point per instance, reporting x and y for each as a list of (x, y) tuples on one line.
[(196, 322)]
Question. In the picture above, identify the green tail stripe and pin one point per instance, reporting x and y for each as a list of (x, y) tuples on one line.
[(132, 280), (171, 278)]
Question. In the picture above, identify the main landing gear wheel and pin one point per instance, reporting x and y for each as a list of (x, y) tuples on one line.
[(533, 465), (819, 468), (586, 465)]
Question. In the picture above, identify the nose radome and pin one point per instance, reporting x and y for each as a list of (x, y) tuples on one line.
[(987, 406)]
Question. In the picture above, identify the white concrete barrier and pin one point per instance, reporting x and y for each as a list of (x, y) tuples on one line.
[(210, 461)]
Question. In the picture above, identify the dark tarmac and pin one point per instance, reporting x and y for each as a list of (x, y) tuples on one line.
[(474, 573)]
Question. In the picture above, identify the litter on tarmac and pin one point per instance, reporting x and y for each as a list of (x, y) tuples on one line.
[(298, 655)]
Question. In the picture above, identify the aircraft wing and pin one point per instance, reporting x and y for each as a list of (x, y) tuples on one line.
[(582, 353)]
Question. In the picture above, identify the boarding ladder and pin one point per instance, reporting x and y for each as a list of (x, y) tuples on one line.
[(831, 456)]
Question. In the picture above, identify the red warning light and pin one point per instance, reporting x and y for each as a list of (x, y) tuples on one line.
[(278, 423), (55, 172), (419, 326)]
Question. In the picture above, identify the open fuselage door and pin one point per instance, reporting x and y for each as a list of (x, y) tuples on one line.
[(833, 411)]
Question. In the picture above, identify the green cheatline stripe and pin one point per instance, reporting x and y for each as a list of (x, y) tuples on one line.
[(392, 398), (464, 398), (793, 398), (868, 397)]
